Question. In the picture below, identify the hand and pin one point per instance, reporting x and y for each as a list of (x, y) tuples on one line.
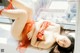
[(41, 38), (29, 35)]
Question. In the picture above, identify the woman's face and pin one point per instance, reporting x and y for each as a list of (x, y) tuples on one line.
[(63, 41)]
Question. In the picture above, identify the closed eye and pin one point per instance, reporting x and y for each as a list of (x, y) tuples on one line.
[(64, 40), (63, 45)]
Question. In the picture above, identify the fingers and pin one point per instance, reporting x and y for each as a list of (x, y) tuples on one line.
[(29, 36)]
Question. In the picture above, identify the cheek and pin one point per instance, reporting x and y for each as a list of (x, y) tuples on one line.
[(68, 43), (63, 43)]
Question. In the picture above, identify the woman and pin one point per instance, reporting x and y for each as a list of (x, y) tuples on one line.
[(62, 49), (42, 34)]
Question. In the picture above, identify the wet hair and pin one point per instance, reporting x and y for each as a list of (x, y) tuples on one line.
[(70, 49)]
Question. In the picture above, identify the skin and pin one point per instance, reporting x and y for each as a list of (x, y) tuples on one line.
[(22, 15), (63, 41), (49, 35)]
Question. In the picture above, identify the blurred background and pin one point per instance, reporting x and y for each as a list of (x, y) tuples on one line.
[(63, 12), (60, 11)]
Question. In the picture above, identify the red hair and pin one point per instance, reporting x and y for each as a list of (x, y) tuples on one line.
[(25, 42), (10, 6), (43, 27)]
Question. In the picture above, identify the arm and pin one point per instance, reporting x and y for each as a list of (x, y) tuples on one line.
[(50, 34), (47, 43), (21, 5), (14, 14)]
